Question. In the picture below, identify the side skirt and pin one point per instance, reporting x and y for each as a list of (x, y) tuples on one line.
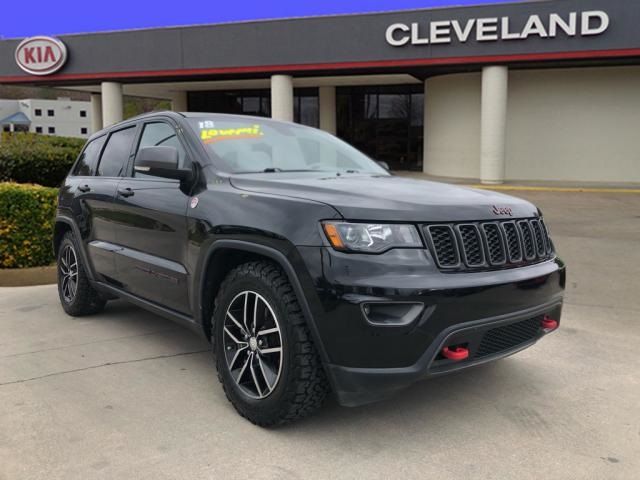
[(167, 313)]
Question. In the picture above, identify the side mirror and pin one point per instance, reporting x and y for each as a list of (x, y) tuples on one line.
[(384, 165), (161, 162)]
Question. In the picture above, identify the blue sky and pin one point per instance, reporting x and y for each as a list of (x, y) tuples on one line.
[(38, 17)]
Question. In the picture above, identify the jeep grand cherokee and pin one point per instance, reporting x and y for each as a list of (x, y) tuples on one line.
[(306, 264)]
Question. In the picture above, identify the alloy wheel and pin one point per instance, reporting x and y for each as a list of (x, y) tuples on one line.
[(252, 343), (69, 273)]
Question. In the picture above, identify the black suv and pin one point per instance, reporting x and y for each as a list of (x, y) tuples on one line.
[(306, 264)]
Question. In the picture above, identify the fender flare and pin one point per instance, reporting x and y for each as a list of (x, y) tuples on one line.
[(283, 262), (76, 233)]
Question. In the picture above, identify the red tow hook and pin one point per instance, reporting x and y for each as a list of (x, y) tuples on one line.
[(456, 354), (549, 324)]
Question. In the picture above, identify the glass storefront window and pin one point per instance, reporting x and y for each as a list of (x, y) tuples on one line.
[(371, 106), (307, 111), (384, 122), (256, 102), (393, 106), (265, 106), (417, 109), (251, 105)]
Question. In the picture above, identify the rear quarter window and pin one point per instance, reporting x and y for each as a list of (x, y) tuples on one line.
[(86, 165)]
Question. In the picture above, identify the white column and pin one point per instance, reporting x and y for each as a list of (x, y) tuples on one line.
[(96, 112), (328, 115), (282, 98), (495, 89), (179, 102), (425, 128), (112, 104)]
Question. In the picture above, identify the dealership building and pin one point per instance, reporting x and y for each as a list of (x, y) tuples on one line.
[(528, 91)]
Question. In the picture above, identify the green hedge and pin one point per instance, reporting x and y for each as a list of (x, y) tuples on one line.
[(27, 215), (33, 158)]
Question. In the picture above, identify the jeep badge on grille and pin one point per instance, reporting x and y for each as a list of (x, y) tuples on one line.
[(502, 211)]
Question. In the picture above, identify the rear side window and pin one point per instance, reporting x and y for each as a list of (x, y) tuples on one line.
[(86, 166), (116, 153)]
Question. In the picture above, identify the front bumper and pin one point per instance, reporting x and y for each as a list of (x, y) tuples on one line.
[(493, 314), (359, 386)]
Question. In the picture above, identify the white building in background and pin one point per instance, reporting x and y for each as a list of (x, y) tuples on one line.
[(62, 117)]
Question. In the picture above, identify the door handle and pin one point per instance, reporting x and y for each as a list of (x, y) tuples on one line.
[(84, 188), (126, 192)]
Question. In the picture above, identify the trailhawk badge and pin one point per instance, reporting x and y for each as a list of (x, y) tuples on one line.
[(41, 55), (194, 202)]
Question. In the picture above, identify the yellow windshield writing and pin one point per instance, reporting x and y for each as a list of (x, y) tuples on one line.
[(211, 135)]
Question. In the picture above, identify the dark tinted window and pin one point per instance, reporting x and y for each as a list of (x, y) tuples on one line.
[(83, 113), (51, 130), (38, 112), (86, 165), (116, 153), (161, 134), (50, 113)]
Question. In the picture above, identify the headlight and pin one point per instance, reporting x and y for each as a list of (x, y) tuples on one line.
[(370, 237)]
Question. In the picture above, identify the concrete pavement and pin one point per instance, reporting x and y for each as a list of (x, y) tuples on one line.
[(126, 394)]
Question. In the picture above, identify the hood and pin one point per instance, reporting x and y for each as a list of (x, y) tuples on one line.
[(389, 198)]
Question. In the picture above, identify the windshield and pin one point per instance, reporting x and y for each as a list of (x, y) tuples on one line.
[(252, 145)]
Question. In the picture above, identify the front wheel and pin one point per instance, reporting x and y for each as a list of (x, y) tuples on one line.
[(266, 360)]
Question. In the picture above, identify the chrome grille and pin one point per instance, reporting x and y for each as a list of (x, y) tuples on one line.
[(443, 243), (513, 241), (488, 245), (527, 239), (495, 243), (472, 249), (541, 244), (545, 233)]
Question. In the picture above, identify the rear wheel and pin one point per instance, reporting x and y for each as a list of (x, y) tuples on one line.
[(266, 360), (77, 296)]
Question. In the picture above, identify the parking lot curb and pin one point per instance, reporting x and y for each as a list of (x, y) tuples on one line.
[(24, 277)]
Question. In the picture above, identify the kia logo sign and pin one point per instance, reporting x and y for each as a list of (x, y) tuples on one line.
[(41, 55)]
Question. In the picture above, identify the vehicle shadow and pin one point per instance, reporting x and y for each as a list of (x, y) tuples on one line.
[(456, 396)]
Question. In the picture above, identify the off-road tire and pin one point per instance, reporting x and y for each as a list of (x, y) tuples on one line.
[(302, 386), (87, 300)]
